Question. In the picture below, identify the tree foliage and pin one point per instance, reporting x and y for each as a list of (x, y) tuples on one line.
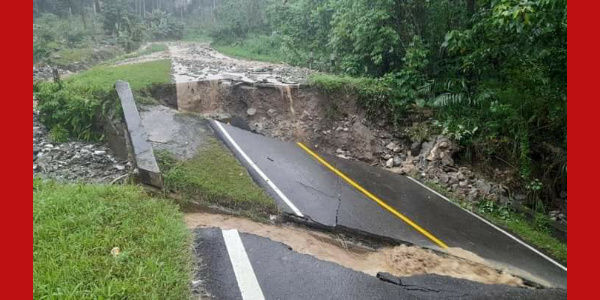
[(494, 71)]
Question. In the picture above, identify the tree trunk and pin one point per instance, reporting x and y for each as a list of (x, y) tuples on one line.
[(471, 7), (82, 12), (97, 6)]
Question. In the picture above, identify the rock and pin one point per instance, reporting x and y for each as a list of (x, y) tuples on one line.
[(271, 112), (35, 167), (251, 111), (99, 152), (461, 176), (407, 168), (520, 197), (463, 184), (345, 129), (397, 160), (119, 167), (389, 163), (444, 178), (339, 151), (473, 195), (391, 146), (397, 149), (49, 146), (415, 148), (484, 187)]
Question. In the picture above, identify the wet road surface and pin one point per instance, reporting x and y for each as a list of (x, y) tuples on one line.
[(312, 191)]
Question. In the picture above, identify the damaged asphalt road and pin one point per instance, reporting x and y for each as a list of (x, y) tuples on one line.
[(320, 196), (265, 269)]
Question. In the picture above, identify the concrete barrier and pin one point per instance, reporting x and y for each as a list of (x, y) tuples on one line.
[(143, 153)]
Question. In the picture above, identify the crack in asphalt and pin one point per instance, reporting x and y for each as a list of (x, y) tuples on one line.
[(314, 189), (339, 197)]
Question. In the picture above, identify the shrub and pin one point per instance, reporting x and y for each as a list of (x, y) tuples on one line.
[(72, 111), (163, 26)]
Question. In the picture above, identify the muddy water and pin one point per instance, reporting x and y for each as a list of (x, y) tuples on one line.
[(400, 260)]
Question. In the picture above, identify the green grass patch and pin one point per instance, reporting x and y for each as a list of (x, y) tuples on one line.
[(67, 56), (535, 232), (81, 103), (139, 76), (214, 176), (153, 48), (339, 83), (75, 227), (245, 53)]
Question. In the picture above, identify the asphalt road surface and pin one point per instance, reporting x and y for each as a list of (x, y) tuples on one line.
[(398, 207), (236, 265)]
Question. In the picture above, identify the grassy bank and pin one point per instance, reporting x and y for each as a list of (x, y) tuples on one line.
[(248, 53), (75, 108), (153, 48), (536, 232), (138, 75), (75, 229), (214, 176)]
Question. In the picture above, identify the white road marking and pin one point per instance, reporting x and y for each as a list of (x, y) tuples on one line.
[(493, 226), (244, 274), (260, 173)]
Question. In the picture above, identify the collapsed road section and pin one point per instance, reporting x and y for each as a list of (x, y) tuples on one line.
[(239, 265), (325, 198)]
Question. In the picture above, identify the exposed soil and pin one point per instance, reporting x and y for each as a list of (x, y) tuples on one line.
[(400, 261), (332, 123)]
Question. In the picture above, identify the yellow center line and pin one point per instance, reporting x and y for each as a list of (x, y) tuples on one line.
[(374, 198)]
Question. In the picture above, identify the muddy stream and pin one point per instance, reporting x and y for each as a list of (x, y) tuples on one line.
[(400, 260)]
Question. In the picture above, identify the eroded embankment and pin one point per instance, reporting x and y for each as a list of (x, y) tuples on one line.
[(400, 261)]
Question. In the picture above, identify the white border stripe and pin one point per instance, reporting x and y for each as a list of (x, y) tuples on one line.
[(260, 173), (494, 226), (244, 274)]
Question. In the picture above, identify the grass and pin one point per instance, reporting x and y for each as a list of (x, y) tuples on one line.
[(214, 176), (68, 56), (138, 75), (153, 48), (75, 228), (244, 53), (534, 232), (334, 83)]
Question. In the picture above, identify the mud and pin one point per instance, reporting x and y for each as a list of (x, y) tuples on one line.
[(197, 61), (332, 124), (400, 261)]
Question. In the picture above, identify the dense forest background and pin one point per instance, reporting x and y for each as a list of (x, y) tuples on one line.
[(493, 73)]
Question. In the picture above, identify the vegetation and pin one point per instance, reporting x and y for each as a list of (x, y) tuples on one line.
[(536, 232), (60, 42), (214, 176), (106, 242), (152, 48), (248, 53), (66, 31), (75, 108), (138, 75), (493, 71)]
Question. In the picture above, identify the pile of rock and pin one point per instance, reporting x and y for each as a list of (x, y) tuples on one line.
[(73, 161), (45, 73), (433, 160)]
